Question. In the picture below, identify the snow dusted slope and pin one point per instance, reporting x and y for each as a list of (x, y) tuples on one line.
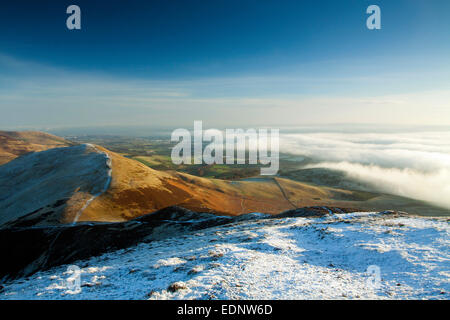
[(287, 258), (52, 186)]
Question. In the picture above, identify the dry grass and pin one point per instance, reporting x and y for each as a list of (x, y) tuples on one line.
[(14, 144), (137, 190)]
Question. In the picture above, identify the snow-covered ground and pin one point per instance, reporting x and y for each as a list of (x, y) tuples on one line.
[(290, 258)]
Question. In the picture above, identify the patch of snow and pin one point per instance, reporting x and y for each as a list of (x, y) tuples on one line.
[(291, 258), (169, 262)]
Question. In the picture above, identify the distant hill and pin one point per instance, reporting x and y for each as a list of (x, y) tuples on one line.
[(14, 143), (90, 183), (137, 189)]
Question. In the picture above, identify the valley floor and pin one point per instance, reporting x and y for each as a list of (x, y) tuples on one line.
[(290, 258)]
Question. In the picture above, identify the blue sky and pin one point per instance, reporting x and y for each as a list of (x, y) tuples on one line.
[(229, 63)]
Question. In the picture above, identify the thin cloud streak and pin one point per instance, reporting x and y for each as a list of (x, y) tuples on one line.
[(33, 94)]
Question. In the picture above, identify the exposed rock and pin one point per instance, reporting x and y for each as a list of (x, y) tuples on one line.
[(176, 286), (215, 255), (307, 212), (195, 270)]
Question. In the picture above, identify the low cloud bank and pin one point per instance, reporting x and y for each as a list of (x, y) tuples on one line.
[(414, 165)]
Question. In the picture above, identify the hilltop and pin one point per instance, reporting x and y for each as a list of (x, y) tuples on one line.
[(17, 143)]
